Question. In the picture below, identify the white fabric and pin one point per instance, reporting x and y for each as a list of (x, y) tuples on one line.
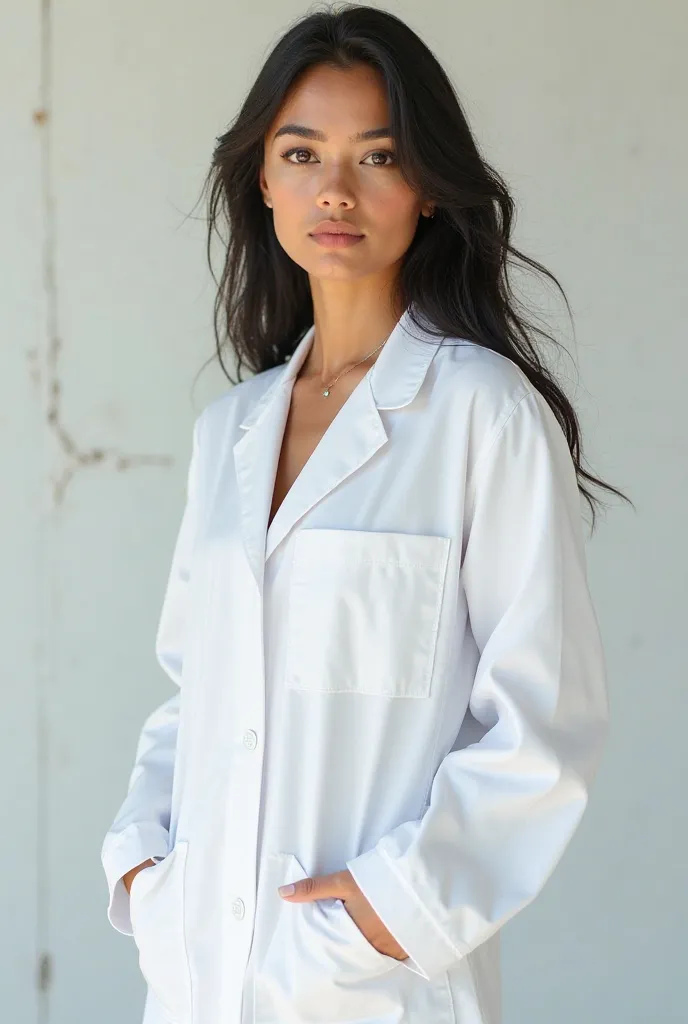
[(403, 675)]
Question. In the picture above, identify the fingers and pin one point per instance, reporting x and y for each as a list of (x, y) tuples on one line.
[(339, 884)]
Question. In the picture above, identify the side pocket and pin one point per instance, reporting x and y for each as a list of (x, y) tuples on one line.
[(157, 908), (319, 967)]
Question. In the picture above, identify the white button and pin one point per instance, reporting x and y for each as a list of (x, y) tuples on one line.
[(250, 739), (238, 908)]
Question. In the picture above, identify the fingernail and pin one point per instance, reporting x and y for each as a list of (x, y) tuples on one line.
[(287, 890)]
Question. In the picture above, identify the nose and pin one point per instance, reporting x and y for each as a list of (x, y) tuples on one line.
[(336, 192)]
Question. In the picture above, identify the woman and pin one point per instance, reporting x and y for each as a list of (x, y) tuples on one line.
[(391, 687)]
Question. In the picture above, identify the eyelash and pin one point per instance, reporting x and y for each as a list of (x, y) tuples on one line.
[(304, 163)]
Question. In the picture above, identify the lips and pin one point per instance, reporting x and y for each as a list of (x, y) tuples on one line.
[(332, 228)]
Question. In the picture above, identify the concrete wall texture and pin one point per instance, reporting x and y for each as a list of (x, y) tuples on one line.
[(108, 114)]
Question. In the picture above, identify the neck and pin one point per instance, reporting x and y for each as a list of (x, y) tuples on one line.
[(348, 327)]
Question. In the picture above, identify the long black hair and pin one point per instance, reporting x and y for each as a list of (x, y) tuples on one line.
[(455, 272)]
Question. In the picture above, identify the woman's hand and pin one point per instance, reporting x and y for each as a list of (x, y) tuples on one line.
[(128, 878), (341, 885)]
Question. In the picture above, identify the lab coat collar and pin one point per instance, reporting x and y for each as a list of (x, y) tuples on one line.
[(352, 438), (395, 377)]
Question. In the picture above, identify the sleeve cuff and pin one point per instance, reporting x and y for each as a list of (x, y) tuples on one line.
[(401, 911), (122, 851)]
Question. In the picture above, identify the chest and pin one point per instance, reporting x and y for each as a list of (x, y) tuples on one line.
[(310, 416), (345, 590)]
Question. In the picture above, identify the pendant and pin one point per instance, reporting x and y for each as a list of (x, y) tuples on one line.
[(326, 392)]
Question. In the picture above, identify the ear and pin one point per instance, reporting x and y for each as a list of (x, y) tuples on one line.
[(263, 186)]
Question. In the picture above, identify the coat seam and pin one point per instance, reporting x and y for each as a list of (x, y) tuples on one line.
[(445, 697), (478, 464), (450, 994)]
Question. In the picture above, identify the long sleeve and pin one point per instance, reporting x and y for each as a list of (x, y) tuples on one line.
[(141, 826), (503, 809)]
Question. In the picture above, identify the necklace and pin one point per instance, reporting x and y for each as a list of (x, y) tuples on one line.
[(327, 389)]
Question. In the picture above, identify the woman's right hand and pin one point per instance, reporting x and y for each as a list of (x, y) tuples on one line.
[(128, 878)]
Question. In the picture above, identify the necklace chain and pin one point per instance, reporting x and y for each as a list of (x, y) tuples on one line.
[(327, 389)]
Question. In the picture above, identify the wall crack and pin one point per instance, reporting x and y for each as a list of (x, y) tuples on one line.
[(77, 457)]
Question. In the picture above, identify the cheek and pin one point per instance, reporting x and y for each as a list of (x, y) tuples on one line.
[(291, 210), (393, 210), (393, 221)]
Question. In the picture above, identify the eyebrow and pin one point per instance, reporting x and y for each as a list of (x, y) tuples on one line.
[(305, 132)]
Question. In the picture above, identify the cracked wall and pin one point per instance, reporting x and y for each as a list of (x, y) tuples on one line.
[(103, 335)]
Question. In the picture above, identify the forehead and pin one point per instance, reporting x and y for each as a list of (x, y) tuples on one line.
[(337, 101)]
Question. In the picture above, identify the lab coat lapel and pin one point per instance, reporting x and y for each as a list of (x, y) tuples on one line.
[(354, 436), (255, 461), (256, 455)]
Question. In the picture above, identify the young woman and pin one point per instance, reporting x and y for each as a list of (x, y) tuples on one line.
[(390, 686)]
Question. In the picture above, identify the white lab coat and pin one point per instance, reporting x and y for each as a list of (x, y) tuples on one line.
[(403, 676)]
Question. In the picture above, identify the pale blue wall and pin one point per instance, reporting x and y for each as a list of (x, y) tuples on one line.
[(104, 293)]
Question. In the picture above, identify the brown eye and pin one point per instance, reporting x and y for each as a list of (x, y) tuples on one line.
[(382, 153), (386, 155), (296, 149)]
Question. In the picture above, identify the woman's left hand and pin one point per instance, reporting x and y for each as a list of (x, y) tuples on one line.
[(341, 885)]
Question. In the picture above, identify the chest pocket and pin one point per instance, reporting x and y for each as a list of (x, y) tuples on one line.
[(363, 611)]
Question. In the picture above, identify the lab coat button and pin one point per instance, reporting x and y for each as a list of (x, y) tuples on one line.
[(238, 908), (250, 739)]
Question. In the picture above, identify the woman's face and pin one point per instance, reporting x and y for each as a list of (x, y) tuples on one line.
[(335, 176)]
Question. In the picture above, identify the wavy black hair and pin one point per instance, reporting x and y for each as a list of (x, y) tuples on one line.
[(456, 269)]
